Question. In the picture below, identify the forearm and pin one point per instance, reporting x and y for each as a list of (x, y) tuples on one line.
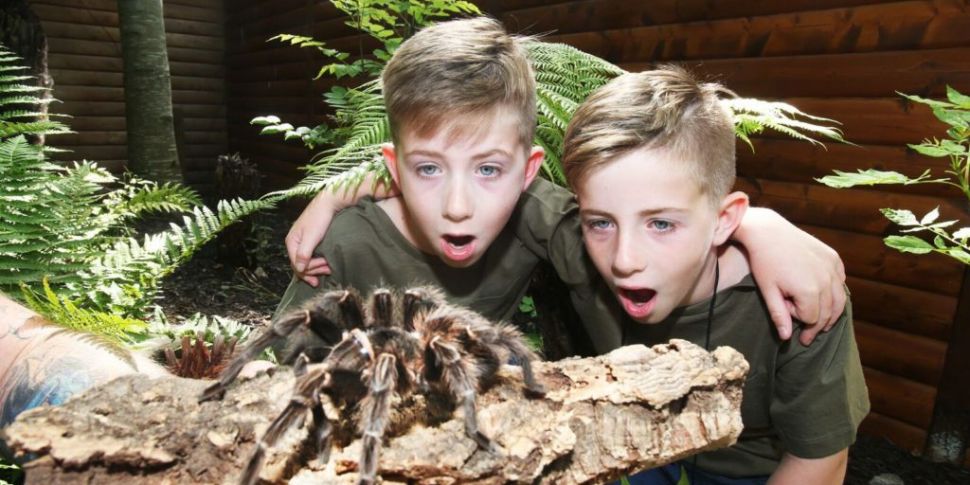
[(822, 471), (44, 364)]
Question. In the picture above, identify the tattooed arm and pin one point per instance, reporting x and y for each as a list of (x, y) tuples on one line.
[(44, 364)]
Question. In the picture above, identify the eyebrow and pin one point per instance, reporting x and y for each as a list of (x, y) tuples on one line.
[(648, 212), (479, 156)]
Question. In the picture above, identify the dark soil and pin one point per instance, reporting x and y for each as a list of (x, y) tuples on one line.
[(250, 294)]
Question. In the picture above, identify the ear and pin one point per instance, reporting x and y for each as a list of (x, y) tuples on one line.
[(390, 159), (729, 216), (533, 164)]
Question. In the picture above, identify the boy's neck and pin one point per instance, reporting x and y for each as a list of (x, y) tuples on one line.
[(397, 211), (732, 268)]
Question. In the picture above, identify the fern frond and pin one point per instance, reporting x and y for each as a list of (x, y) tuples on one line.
[(64, 312), (752, 116)]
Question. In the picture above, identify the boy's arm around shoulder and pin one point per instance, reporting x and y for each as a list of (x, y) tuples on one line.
[(820, 395)]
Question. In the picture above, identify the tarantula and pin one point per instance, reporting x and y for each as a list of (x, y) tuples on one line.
[(394, 343)]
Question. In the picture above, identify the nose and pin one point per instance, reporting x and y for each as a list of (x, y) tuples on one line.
[(628, 256), (459, 204)]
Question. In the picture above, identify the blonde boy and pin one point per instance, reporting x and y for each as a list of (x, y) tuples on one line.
[(650, 157), (471, 217)]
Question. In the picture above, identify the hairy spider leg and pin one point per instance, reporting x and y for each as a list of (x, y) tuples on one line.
[(279, 330), (354, 351), (460, 379), (374, 414), (418, 301), (305, 396), (382, 308), (511, 339)]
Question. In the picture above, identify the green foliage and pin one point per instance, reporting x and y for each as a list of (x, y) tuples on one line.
[(955, 113), (752, 116), (115, 328), (161, 332), (19, 102), (128, 274), (387, 21), (9, 473), (65, 232)]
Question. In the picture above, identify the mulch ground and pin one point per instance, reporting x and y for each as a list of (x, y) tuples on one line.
[(249, 295)]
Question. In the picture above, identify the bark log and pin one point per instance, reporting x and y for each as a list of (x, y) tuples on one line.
[(634, 408)]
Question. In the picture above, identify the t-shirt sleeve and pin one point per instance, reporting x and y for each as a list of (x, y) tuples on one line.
[(547, 222), (820, 394)]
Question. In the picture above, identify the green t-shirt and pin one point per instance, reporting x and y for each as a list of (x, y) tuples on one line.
[(807, 401), (366, 251)]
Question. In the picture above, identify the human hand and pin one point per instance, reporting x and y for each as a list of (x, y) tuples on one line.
[(798, 275), (307, 232)]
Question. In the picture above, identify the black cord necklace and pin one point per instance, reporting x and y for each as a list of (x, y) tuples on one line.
[(710, 308), (707, 345)]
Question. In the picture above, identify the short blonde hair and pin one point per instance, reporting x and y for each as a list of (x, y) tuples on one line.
[(467, 67), (665, 108)]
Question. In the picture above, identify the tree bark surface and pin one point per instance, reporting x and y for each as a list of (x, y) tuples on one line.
[(149, 119), (634, 408)]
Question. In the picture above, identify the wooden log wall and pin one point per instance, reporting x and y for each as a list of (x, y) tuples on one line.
[(85, 62), (843, 59)]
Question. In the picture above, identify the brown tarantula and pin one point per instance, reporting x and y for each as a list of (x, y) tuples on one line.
[(395, 343)]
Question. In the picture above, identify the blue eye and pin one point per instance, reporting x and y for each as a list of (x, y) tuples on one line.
[(427, 170), (662, 225), (489, 170), (598, 224)]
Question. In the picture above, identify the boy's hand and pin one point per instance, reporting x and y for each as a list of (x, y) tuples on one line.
[(307, 232), (798, 275), (308, 229)]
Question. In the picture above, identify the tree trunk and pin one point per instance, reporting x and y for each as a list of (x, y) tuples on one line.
[(634, 408), (152, 151)]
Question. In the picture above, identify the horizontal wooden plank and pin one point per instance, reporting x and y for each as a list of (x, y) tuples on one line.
[(88, 94), (881, 348), (191, 96), (872, 74), (875, 121), (195, 27), (89, 138), (204, 124), (57, 46), (196, 83), (900, 398), (284, 71), (104, 108), (537, 16), (97, 123), (106, 5), (210, 11), (911, 311), (80, 31), (95, 153), (195, 41), (86, 63), (796, 161), (184, 54), (205, 137), (851, 210), (76, 77), (903, 435), (867, 257), (253, 37), (199, 150), (195, 69), (75, 14), (251, 12), (896, 26)]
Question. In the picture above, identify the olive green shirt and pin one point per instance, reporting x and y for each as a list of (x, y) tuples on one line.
[(807, 401), (365, 250)]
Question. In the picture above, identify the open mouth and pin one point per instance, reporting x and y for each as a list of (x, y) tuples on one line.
[(458, 247), (638, 302)]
